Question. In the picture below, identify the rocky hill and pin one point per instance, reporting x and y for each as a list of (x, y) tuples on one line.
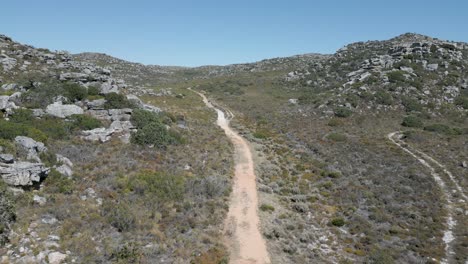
[(361, 156)]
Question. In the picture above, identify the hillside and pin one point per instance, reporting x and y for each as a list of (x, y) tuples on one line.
[(360, 156)]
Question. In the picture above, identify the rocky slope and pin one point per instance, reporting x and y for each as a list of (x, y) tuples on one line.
[(79, 146)]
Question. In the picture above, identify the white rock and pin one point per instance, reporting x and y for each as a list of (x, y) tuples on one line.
[(59, 110), (39, 200), (23, 173), (56, 257)]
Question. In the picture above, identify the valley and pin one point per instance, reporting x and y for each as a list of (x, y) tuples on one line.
[(286, 160)]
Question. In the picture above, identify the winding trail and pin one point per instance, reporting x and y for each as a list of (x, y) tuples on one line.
[(243, 237), (448, 191)]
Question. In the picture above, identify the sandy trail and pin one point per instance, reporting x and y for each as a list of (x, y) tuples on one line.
[(425, 160), (243, 237)]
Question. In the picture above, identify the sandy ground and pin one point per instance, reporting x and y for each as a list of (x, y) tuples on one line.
[(243, 237)]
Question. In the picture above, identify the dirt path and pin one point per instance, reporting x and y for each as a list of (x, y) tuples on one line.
[(243, 237), (448, 191)]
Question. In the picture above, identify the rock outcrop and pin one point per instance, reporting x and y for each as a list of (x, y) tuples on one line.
[(60, 110), (23, 173)]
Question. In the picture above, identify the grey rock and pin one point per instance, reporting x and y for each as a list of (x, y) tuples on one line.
[(152, 108), (96, 104), (23, 173), (49, 219), (38, 112), (432, 67), (65, 170), (108, 87), (63, 111), (30, 147), (293, 101), (464, 164), (7, 158), (39, 199), (134, 99), (75, 76), (56, 257), (10, 86)]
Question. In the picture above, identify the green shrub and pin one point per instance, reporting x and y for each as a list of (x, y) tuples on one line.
[(57, 183), (48, 158), (338, 221), (117, 101), (153, 134), (334, 122), (75, 92), (412, 121), (411, 104), (267, 208), (22, 116), (383, 98), (93, 91), (462, 101), (7, 212), (443, 129), (331, 174), (7, 146), (343, 112), (164, 187), (337, 137), (141, 118), (261, 134), (396, 76), (84, 122), (10, 130), (119, 215), (128, 253)]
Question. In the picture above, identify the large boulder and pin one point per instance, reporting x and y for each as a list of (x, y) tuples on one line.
[(23, 173), (60, 110), (30, 147), (109, 87), (66, 166)]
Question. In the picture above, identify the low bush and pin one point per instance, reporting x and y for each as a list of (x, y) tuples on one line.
[(75, 92), (462, 101), (411, 104), (412, 121), (443, 129), (383, 98), (7, 212), (396, 76), (343, 112), (153, 133), (337, 137), (10, 130), (119, 215), (162, 186), (267, 208), (338, 221), (334, 122), (84, 122), (117, 101), (57, 183), (141, 118)]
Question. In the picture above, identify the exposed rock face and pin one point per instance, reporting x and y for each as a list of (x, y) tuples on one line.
[(23, 173), (62, 111), (96, 104), (112, 114), (30, 147), (104, 134)]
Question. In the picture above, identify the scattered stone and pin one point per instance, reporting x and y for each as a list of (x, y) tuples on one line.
[(293, 101), (432, 67)]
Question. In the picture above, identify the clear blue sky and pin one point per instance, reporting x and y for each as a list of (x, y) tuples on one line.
[(201, 32)]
